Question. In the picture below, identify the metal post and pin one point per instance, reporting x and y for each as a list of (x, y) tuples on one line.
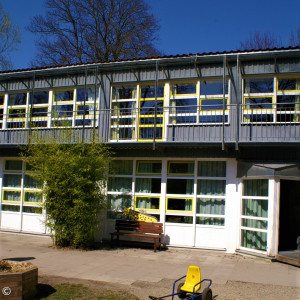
[(224, 99), (84, 104), (237, 88), (31, 104), (95, 103), (155, 106)]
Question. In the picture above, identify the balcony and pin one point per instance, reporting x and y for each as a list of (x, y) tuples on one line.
[(210, 124)]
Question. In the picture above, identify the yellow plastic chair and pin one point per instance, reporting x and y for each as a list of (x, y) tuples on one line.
[(193, 276)]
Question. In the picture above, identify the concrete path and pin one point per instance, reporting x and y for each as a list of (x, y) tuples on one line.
[(129, 265)]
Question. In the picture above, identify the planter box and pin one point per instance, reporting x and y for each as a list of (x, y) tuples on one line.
[(19, 286)]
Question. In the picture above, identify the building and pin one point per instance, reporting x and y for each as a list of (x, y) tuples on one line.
[(207, 143)]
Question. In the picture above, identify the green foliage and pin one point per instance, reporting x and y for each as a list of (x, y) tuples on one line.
[(74, 189)]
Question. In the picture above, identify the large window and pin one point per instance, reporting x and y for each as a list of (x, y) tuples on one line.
[(20, 192), (254, 219), (123, 113), (17, 110), (119, 189), (263, 103)]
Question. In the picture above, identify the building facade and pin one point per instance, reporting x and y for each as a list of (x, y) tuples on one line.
[(209, 144)]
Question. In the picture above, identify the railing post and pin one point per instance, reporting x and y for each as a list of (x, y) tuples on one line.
[(224, 86), (155, 108)]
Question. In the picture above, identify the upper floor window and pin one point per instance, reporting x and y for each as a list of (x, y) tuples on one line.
[(17, 99), (259, 85), (67, 95), (40, 97)]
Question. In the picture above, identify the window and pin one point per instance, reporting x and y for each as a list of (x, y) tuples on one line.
[(123, 116), (183, 103), (40, 97), (211, 193), (180, 204), (20, 189), (119, 188), (180, 168), (254, 218), (147, 203), (211, 101), (16, 110), (1, 110), (151, 113), (61, 96), (258, 100)]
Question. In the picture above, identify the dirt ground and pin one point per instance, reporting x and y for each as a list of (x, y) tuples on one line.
[(232, 290)]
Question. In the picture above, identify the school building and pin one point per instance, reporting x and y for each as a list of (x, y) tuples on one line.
[(207, 143)]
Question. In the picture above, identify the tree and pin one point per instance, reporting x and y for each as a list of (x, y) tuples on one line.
[(295, 38), (9, 38), (73, 177), (80, 31), (260, 41)]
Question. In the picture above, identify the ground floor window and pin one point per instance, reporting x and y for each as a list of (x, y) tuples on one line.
[(254, 215)]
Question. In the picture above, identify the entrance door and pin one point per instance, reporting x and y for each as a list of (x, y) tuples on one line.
[(289, 218)]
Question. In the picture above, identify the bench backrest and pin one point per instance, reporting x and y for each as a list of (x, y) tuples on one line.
[(139, 226)]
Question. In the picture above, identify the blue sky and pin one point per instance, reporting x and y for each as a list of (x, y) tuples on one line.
[(186, 26)]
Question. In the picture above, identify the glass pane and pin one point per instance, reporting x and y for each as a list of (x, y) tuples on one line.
[(213, 104), (149, 92), (89, 94), (259, 85), (181, 168), (179, 219), (118, 202), (1, 99), (124, 92), (147, 202), (147, 133), (211, 206), (212, 119), (119, 184), (12, 196), (34, 124), (184, 105), (255, 208), (33, 197), (30, 182), (255, 224), (17, 99), (180, 204), (11, 180), (148, 185), (258, 103), (289, 84), (85, 110), (62, 111), (64, 96), (41, 97), (39, 111), (254, 240), (184, 88), (147, 167), (148, 107), (210, 221), (211, 187), (258, 118), (13, 165), (13, 208), (256, 187), (121, 167), (122, 133), (32, 210), (86, 122), (213, 87), (289, 102), (180, 186), (14, 113), (123, 108), (212, 168)]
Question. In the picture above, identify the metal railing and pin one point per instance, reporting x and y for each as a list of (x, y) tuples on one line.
[(176, 124)]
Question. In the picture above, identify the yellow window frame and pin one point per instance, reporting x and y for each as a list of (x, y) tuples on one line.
[(39, 118), (180, 162), (249, 110), (147, 161), (10, 190), (182, 95), (90, 104), (286, 91), (30, 202), (150, 209), (18, 108), (180, 211)]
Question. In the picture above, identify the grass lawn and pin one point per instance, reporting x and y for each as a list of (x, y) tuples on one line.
[(67, 291)]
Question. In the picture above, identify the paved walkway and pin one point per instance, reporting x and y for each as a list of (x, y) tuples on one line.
[(129, 265)]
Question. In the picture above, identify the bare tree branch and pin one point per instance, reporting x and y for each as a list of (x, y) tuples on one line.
[(80, 31)]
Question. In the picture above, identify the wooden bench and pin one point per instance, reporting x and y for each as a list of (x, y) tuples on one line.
[(138, 229)]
